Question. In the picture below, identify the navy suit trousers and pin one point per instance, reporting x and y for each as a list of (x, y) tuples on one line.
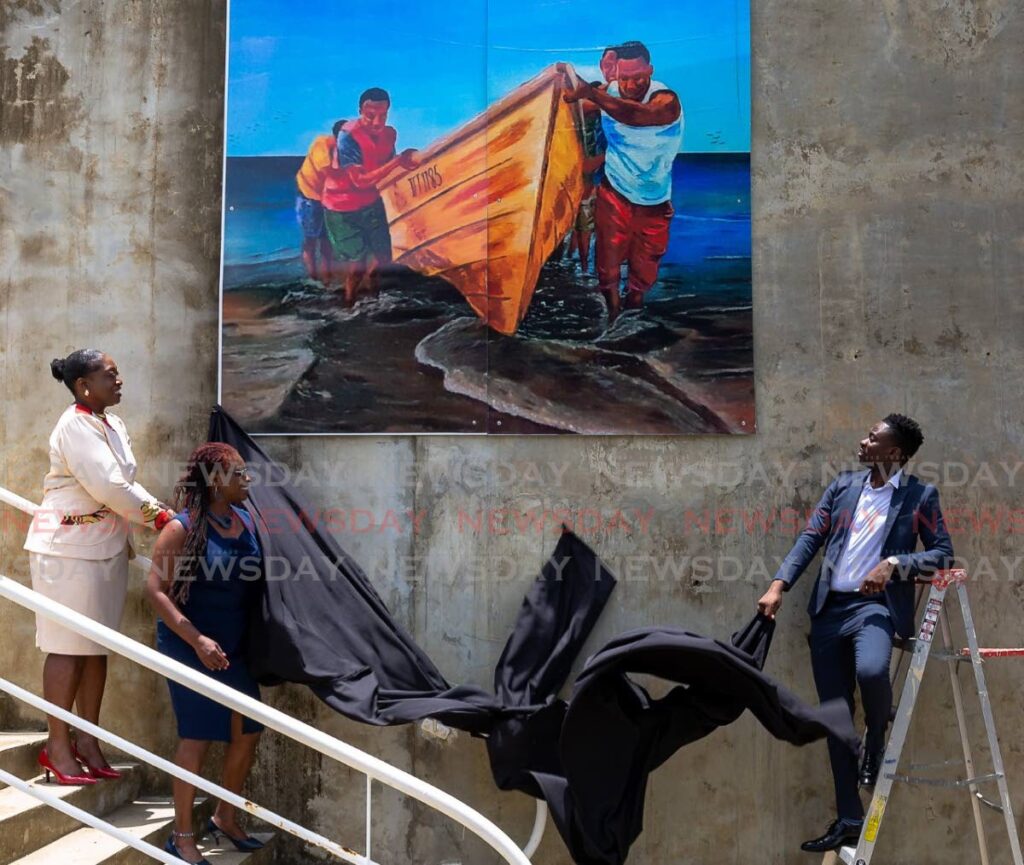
[(851, 644)]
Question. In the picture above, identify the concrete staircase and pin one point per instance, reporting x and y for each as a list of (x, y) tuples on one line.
[(33, 834)]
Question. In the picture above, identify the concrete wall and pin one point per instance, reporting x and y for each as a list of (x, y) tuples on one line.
[(889, 238)]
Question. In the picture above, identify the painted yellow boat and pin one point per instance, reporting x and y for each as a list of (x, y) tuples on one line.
[(488, 203)]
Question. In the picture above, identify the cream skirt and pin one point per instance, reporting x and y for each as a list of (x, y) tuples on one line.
[(93, 588)]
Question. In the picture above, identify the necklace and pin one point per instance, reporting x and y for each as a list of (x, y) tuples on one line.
[(223, 522)]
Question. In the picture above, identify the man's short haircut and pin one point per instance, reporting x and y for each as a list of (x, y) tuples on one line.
[(907, 433), (374, 94), (337, 127), (609, 49), (633, 51)]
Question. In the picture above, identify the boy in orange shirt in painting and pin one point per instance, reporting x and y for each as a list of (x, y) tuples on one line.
[(308, 208)]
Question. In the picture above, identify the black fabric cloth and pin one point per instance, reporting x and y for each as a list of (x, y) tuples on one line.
[(319, 622), (614, 734)]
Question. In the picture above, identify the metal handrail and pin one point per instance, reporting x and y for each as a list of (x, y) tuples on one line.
[(22, 504), (270, 717), (540, 821), (170, 768)]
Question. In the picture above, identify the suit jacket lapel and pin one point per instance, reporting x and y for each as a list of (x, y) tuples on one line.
[(847, 505), (899, 496), (843, 513)]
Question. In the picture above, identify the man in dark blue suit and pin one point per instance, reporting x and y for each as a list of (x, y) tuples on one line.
[(869, 523)]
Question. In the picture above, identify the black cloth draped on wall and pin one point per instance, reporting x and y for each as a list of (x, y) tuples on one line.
[(321, 623)]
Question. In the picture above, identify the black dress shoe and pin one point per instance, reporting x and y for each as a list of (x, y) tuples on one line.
[(840, 833), (869, 768)]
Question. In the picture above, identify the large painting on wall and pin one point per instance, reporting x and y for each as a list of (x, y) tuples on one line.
[(500, 216)]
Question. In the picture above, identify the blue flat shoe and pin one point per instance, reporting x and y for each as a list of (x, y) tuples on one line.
[(245, 845), (170, 847)]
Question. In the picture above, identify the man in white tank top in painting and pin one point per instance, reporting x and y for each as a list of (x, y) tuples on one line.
[(642, 121)]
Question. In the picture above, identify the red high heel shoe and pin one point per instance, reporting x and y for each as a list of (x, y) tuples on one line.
[(65, 780), (96, 772)]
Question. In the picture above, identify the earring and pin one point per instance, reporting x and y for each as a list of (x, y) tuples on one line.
[(87, 391)]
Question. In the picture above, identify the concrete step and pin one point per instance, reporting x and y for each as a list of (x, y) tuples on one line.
[(18, 752), (225, 854), (149, 819), (26, 824)]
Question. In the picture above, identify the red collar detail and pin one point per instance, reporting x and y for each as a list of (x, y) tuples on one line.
[(84, 409)]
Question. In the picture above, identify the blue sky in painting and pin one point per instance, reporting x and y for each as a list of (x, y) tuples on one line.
[(296, 67)]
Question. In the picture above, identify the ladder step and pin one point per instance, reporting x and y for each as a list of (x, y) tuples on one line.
[(988, 803), (946, 782), (948, 655), (846, 854), (941, 764)]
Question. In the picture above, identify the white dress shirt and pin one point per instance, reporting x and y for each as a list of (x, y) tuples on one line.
[(864, 546)]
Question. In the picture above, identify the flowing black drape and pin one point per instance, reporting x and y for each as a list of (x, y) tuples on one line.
[(601, 798), (320, 622)]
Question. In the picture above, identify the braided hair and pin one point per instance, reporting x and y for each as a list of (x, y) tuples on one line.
[(192, 493)]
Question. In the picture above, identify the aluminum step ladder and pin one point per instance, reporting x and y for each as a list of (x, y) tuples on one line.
[(936, 618)]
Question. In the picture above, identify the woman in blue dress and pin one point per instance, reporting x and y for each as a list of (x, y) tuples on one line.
[(207, 564)]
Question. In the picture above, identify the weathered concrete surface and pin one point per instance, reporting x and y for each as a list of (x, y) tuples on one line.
[(110, 136), (889, 241)]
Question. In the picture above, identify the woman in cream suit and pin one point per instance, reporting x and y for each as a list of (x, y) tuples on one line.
[(79, 543)]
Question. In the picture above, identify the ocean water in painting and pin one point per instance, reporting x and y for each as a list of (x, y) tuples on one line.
[(415, 358)]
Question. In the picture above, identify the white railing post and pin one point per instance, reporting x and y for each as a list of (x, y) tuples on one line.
[(369, 816)]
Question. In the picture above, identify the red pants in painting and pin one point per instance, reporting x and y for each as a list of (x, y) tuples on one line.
[(633, 233)]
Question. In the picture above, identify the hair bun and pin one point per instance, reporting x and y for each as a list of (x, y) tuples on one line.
[(57, 368)]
